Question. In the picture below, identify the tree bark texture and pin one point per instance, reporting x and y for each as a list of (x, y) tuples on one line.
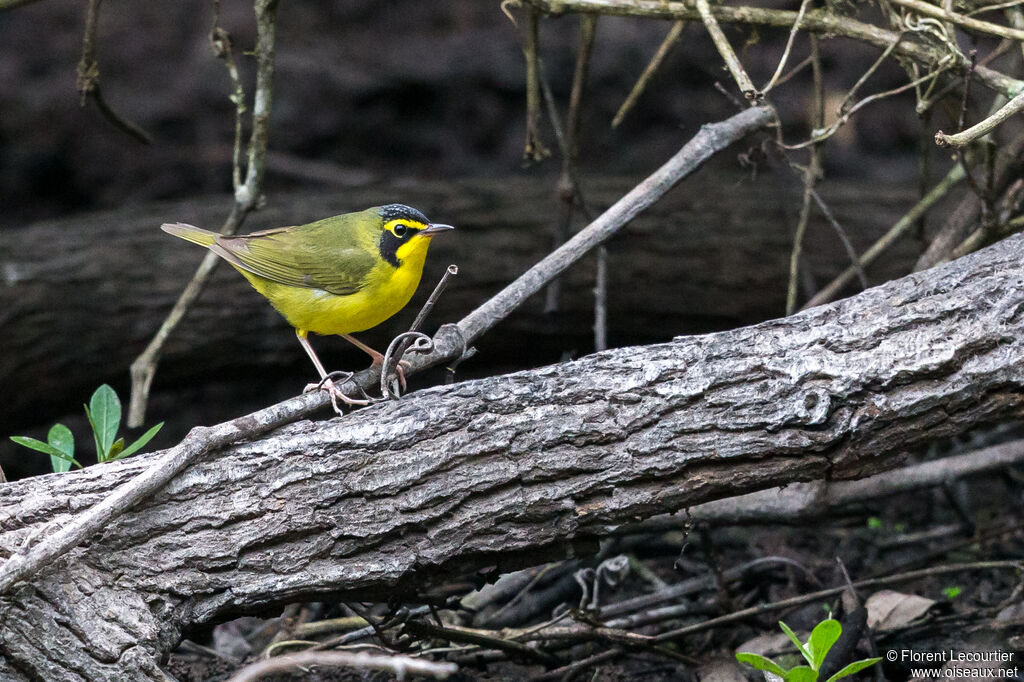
[(82, 296), (513, 469)]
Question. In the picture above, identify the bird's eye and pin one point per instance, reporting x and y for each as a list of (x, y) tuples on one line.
[(400, 230)]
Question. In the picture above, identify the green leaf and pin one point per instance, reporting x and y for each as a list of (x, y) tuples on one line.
[(802, 673), (824, 635), (104, 414), (39, 445), (759, 662), (141, 442), (116, 449), (61, 438), (853, 668), (804, 651)]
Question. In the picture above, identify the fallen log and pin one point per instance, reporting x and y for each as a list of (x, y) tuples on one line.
[(513, 469), (82, 296)]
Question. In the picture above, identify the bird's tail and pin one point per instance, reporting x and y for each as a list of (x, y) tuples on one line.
[(196, 235)]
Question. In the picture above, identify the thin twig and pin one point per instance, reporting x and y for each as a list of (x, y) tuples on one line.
[(567, 672), (402, 343), (601, 299), (846, 113), (798, 239), (247, 196), (568, 142), (983, 127), (649, 71), (789, 46), (400, 666), (804, 63), (483, 638), (533, 150), (739, 74), (843, 237), (89, 78), (955, 175), (811, 174)]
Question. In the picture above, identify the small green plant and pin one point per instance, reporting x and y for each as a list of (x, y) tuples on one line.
[(824, 635), (952, 591), (104, 413)]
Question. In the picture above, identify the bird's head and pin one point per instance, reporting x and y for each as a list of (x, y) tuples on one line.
[(405, 232)]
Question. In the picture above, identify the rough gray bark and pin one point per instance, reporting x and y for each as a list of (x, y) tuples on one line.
[(516, 468), (83, 296)]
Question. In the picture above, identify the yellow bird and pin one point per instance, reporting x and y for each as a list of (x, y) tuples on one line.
[(338, 275)]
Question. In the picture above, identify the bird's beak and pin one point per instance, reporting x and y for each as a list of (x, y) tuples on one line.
[(434, 228)]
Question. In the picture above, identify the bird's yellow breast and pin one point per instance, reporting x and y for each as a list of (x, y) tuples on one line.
[(385, 291)]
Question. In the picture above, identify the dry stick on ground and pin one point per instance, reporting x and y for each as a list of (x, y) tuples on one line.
[(832, 289), (831, 592), (247, 194), (532, 465), (450, 343), (819, 21), (802, 501), (652, 67), (89, 77), (399, 666), (485, 639)]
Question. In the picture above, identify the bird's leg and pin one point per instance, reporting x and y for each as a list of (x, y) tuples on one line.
[(326, 380), (378, 359)]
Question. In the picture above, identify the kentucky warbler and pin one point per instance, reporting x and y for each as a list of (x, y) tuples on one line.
[(334, 276)]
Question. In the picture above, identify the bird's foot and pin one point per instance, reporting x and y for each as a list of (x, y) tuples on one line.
[(330, 384)]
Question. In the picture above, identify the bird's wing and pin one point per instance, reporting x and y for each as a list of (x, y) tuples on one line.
[(278, 256)]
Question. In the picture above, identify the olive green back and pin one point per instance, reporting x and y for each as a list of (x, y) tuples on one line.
[(334, 254)]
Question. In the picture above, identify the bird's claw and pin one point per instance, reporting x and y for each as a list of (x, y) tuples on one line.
[(328, 384)]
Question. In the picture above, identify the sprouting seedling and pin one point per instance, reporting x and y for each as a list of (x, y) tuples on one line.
[(104, 413), (814, 650)]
